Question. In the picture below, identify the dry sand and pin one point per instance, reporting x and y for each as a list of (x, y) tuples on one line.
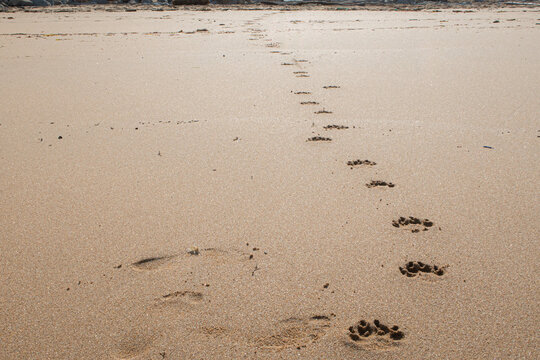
[(171, 140)]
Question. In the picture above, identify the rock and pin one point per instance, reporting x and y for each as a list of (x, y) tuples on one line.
[(193, 250), (190, 2), (20, 3), (41, 3), (229, 2)]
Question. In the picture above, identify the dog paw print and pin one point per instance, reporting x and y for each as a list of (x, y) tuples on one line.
[(415, 268), (363, 330), (380, 183), (413, 224), (319, 138), (358, 162)]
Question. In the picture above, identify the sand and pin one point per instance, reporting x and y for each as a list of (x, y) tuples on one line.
[(160, 199)]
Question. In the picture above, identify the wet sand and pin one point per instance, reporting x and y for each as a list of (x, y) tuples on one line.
[(254, 184)]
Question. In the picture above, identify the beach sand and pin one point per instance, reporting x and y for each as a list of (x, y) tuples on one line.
[(129, 140)]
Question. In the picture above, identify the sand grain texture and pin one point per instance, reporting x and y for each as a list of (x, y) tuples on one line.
[(127, 138)]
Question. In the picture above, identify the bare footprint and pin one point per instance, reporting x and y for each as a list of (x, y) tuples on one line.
[(216, 331), (295, 332), (376, 336), (134, 345), (216, 255), (181, 297), (152, 263)]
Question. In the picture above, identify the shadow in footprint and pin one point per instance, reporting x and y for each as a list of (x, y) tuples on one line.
[(151, 263)]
